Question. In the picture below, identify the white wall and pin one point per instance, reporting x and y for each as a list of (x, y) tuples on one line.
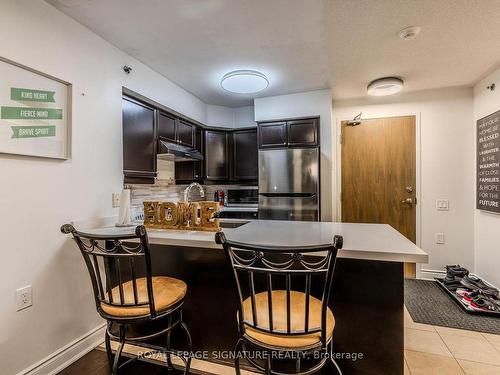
[(38, 195), (226, 117), (244, 117), (220, 116), (486, 225), (312, 103), (445, 165)]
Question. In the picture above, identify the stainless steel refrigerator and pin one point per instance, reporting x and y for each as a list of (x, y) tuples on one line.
[(289, 184)]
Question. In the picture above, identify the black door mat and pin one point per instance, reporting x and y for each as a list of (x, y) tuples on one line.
[(427, 303)]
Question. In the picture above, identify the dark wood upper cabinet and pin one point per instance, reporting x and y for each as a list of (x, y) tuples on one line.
[(185, 133), (289, 133), (189, 171), (302, 132), (216, 155), (175, 130), (272, 134), (167, 126), (198, 139), (139, 141), (245, 155)]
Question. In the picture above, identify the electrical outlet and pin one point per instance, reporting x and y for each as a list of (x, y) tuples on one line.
[(442, 204), (440, 238), (24, 297), (116, 199)]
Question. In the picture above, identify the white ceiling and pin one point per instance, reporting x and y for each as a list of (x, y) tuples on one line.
[(300, 45)]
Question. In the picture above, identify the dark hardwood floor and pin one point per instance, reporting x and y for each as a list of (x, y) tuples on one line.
[(96, 363)]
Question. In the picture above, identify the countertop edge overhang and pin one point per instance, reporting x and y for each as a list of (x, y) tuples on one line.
[(376, 242)]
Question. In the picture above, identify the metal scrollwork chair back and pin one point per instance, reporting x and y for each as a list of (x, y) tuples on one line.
[(283, 298), (127, 293), (114, 264)]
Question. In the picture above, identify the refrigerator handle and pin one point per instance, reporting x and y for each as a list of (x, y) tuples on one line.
[(289, 195)]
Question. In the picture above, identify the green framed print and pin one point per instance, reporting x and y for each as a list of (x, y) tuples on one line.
[(35, 112)]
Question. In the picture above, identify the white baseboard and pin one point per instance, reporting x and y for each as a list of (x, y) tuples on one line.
[(431, 274), (68, 354)]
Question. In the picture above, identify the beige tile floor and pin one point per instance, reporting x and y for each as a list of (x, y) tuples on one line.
[(429, 350), (440, 350)]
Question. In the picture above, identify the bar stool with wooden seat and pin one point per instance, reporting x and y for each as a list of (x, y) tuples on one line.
[(127, 296), (283, 296)]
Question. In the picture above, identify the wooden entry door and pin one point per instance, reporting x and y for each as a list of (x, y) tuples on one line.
[(379, 173)]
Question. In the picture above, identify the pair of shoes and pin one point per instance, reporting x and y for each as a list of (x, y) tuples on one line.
[(461, 292), (454, 275), (456, 271), (479, 301), (474, 282)]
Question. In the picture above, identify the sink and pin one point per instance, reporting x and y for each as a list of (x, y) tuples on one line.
[(232, 224)]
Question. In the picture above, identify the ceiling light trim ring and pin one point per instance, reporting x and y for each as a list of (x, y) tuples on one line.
[(244, 73)]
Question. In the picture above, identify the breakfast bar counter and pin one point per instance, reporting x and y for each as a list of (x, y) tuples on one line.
[(367, 298), (361, 241)]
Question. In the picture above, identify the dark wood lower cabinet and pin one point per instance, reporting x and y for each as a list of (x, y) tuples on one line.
[(367, 301)]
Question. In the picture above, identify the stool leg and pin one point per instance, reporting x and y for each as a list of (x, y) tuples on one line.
[(190, 346), (268, 366), (332, 361), (236, 357), (169, 359), (119, 351), (117, 358), (108, 349)]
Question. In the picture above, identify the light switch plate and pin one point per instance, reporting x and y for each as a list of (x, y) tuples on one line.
[(440, 238), (442, 205), (24, 297)]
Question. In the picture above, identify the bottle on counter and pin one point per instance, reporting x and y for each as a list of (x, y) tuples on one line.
[(221, 197)]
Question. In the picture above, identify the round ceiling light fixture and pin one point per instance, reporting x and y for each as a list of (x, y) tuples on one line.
[(244, 81), (385, 86)]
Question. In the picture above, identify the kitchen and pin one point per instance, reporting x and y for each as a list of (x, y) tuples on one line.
[(261, 183), (267, 185)]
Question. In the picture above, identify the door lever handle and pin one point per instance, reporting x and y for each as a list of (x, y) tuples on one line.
[(408, 201)]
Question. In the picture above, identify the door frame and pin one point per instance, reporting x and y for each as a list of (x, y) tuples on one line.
[(338, 167)]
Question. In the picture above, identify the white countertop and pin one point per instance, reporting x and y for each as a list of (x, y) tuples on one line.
[(361, 241)]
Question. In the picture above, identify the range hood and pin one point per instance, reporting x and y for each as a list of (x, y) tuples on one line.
[(176, 152)]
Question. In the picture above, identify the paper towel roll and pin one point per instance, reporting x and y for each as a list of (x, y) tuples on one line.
[(124, 212)]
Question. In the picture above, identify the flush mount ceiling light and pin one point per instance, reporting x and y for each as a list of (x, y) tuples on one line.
[(385, 86), (244, 81)]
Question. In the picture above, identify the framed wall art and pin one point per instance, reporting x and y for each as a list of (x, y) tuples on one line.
[(35, 112)]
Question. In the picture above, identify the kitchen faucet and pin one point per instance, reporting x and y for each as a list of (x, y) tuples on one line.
[(188, 190)]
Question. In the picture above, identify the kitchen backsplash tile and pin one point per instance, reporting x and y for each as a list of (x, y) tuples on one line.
[(161, 191)]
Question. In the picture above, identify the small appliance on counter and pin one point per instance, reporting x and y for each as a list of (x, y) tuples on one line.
[(241, 203)]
